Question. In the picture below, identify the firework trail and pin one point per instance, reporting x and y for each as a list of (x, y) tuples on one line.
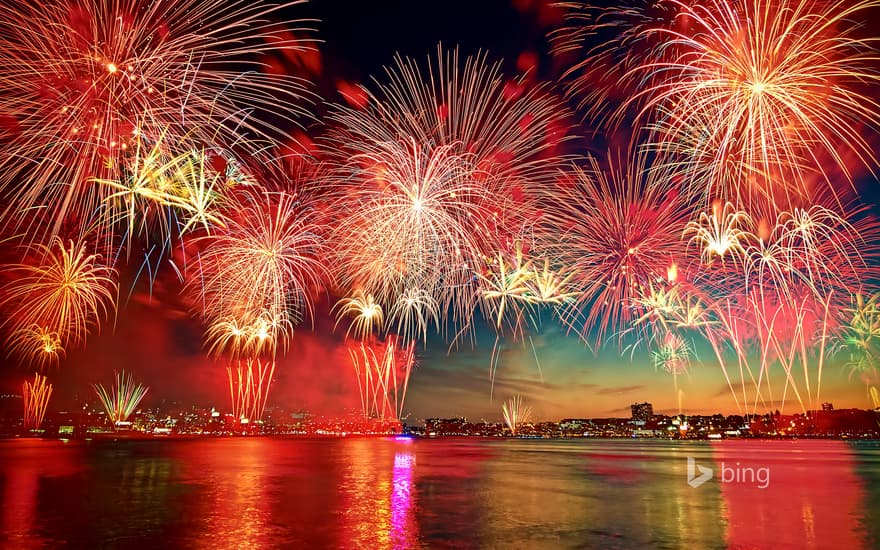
[(85, 82), (383, 377), (508, 301), (506, 291), (512, 291), (36, 396), (122, 399), (253, 285), (516, 413), (249, 383), (549, 286), (412, 313)]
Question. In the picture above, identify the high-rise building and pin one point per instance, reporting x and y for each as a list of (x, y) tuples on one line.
[(642, 412), (827, 407)]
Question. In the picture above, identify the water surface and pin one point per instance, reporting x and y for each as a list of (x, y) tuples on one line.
[(458, 493)]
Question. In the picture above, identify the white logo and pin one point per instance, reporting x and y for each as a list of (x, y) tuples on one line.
[(694, 480), (760, 477)]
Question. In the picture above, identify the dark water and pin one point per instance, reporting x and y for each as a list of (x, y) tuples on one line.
[(389, 493)]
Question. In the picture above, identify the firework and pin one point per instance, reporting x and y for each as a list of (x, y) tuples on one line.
[(860, 335), (122, 399), (615, 230), (784, 301), (670, 305), (516, 413), (508, 300), (248, 335), (551, 287), (258, 274), (36, 346), (157, 188), (823, 248), (672, 354), (249, 383), (719, 234), (66, 294), (36, 396), (778, 92), (412, 313), (87, 81), (506, 289), (365, 312), (433, 173), (383, 377), (256, 277), (426, 237)]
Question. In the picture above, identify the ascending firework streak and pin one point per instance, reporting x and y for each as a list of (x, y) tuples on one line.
[(122, 399), (516, 413), (36, 398), (383, 377), (249, 383)]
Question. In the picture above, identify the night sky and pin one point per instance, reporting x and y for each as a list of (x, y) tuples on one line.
[(156, 338)]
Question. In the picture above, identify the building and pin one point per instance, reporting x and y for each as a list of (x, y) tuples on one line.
[(827, 407), (642, 412)]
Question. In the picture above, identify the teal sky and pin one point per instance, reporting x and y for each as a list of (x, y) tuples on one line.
[(573, 381)]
